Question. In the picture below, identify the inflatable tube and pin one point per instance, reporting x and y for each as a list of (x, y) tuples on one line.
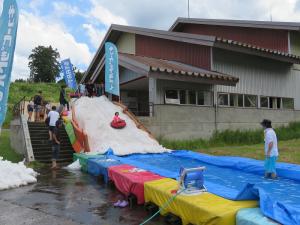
[(118, 125)]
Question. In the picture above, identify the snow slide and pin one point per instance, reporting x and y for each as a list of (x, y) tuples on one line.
[(15, 174), (94, 116)]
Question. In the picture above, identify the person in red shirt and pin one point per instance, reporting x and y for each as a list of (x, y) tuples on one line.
[(118, 122), (117, 119)]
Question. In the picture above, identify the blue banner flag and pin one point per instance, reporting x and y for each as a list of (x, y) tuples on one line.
[(8, 33), (111, 69), (66, 68)]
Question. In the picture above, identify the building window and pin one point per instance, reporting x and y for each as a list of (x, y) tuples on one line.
[(204, 98), (287, 103), (223, 99), (250, 100), (274, 103), (236, 100), (182, 95), (264, 102), (278, 103), (171, 97), (192, 97), (200, 98)]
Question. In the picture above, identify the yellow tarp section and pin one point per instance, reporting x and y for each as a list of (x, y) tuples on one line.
[(199, 209)]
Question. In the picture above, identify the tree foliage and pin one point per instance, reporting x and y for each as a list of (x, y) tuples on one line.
[(78, 75), (44, 64)]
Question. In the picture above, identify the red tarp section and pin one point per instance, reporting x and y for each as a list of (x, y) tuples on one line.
[(130, 180)]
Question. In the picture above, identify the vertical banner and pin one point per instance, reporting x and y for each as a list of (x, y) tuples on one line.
[(66, 68), (8, 34), (111, 69)]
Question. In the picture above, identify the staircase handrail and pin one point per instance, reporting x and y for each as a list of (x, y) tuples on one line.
[(19, 107)]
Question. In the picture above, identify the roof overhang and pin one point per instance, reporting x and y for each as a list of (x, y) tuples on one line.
[(293, 26), (170, 70), (256, 50), (115, 31)]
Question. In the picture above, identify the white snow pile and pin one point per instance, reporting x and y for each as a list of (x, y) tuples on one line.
[(14, 175), (74, 166), (94, 116)]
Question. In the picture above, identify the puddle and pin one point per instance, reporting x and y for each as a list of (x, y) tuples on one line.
[(75, 196)]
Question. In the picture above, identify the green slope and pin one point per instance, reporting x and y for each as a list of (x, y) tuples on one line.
[(19, 90)]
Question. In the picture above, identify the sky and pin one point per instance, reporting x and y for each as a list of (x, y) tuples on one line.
[(77, 27)]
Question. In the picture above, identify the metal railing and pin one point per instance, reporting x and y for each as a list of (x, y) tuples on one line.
[(140, 108), (19, 107)]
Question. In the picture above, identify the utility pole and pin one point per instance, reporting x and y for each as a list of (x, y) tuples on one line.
[(188, 8)]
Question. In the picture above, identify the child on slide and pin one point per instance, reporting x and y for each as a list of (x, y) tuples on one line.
[(118, 122)]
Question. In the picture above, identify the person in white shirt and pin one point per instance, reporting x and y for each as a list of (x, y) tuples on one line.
[(53, 116), (271, 149), (48, 107)]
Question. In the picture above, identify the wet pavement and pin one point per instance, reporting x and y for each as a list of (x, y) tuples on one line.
[(67, 198)]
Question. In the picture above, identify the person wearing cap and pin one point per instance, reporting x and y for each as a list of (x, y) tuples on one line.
[(271, 149)]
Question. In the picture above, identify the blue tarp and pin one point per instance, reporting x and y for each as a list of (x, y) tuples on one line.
[(252, 216), (234, 178), (99, 166)]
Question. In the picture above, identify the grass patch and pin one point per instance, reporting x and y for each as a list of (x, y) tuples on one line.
[(36, 165), (5, 150), (245, 143), (18, 90), (234, 138), (289, 151)]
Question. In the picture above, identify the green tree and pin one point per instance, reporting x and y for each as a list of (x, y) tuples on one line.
[(78, 75), (44, 64)]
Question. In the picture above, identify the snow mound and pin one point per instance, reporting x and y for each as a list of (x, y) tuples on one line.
[(74, 166), (94, 116), (14, 175)]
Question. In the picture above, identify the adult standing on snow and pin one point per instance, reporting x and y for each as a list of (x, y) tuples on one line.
[(62, 97), (90, 88)]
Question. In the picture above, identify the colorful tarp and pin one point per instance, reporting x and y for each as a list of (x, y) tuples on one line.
[(130, 180), (83, 159), (70, 131), (252, 216), (99, 167), (199, 209), (233, 178)]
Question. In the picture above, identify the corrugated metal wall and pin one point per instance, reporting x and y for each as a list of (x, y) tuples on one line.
[(195, 55), (128, 75), (257, 75), (267, 38)]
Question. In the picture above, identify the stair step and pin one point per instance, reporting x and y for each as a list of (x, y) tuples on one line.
[(62, 152), (42, 148), (62, 160), (49, 148), (41, 144), (46, 139), (49, 157)]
